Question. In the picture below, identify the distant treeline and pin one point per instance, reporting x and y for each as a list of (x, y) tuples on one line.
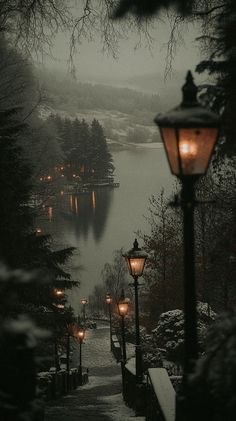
[(84, 146), (69, 95)]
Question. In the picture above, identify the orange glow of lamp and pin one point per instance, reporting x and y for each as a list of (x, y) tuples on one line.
[(189, 133)]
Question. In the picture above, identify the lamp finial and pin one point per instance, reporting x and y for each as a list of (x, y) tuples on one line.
[(189, 90), (136, 244)]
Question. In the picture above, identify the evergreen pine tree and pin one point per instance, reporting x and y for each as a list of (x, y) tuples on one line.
[(101, 159), (16, 218), (20, 246), (84, 151)]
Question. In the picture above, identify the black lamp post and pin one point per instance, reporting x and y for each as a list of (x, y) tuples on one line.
[(123, 307), (135, 259), (189, 133), (84, 301), (80, 337), (109, 303), (70, 332)]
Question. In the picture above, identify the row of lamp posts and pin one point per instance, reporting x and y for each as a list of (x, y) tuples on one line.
[(189, 133), (73, 330)]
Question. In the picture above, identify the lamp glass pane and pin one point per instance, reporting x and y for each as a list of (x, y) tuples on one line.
[(136, 265), (170, 142), (123, 308), (81, 334), (195, 149), (84, 301)]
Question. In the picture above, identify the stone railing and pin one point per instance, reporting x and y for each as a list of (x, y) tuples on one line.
[(134, 394), (160, 396), (115, 348), (54, 384), (129, 383)]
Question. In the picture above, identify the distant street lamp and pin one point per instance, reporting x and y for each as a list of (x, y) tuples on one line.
[(59, 296), (123, 307), (84, 301), (58, 305), (135, 259), (189, 133), (109, 303), (80, 337)]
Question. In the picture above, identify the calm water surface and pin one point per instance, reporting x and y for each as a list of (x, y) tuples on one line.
[(100, 222)]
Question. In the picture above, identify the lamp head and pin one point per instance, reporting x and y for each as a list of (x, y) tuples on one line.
[(123, 305), (189, 133), (135, 259), (108, 298), (80, 334)]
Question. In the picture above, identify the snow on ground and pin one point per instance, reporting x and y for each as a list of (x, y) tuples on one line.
[(96, 348), (95, 381), (117, 410)]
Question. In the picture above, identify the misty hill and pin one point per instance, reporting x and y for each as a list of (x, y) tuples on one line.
[(126, 115), (167, 90), (64, 93)]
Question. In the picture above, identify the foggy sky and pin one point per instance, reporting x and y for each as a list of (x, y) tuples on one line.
[(92, 65)]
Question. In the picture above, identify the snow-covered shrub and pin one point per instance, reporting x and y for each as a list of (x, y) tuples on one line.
[(213, 383), (169, 333)]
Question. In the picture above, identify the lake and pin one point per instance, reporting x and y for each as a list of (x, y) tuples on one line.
[(99, 222)]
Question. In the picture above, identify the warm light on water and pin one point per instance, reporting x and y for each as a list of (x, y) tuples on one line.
[(107, 219), (94, 200), (71, 202), (50, 213), (76, 204)]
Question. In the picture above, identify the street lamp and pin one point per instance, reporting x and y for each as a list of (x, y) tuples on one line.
[(135, 259), (123, 307), (80, 337), (59, 295), (84, 301), (109, 303), (189, 133)]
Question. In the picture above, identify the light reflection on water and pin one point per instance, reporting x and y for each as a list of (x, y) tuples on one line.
[(101, 221)]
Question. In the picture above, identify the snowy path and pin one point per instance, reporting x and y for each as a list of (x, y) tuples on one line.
[(101, 398)]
